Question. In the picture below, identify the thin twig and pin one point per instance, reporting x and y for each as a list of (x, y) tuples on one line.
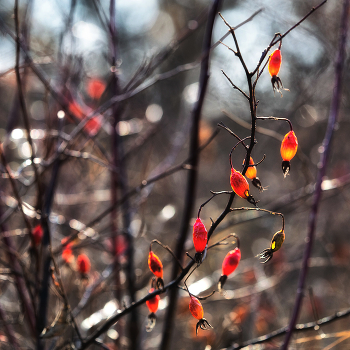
[(275, 118), (279, 37), (169, 250), (234, 86), (301, 327)]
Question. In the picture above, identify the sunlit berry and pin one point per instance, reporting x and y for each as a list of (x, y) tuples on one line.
[(289, 148), (251, 174), (93, 125), (67, 253), (200, 236), (229, 265), (275, 63), (196, 308), (197, 312), (37, 234), (276, 243), (240, 186), (251, 171), (155, 265), (231, 261), (95, 88), (152, 304), (83, 264), (274, 68)]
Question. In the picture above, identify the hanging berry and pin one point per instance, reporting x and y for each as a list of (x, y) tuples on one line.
[(95, 88), (229, 265), (251, 174), (289, 148), (152, 305), (197, 312), (156, 267), (274, 66), (83, 264), (240, 186), (200, 238), (275, 62), (251, 171), (37, 234), (276, 244), (67, 253)]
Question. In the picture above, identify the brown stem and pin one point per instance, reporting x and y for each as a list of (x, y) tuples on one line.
[(23, 104), (275, 118)]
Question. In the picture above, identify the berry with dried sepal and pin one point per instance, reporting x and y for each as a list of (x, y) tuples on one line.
[(289, 148), (152, 305), (156, 267), (251, 174), (200, 239), (240, 186), (274, 66), (276, 244), (197, 312), (83, 264), (229, 265), (37, 234)]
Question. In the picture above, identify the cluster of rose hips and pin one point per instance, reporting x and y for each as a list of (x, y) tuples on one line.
[(156, 267), (83, 261), (240, 186)]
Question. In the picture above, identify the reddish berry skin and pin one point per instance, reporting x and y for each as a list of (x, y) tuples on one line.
[(152, 304), (275, 62), (196, 308), (231, 261), (155, 265), (83, 263), (67, 253), (239, 184), (92, 126), (289, 146), (95, 88), (37, 235), (251, 171), (200, 236)]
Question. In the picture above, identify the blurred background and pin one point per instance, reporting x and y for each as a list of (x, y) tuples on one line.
[(70, 50)]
